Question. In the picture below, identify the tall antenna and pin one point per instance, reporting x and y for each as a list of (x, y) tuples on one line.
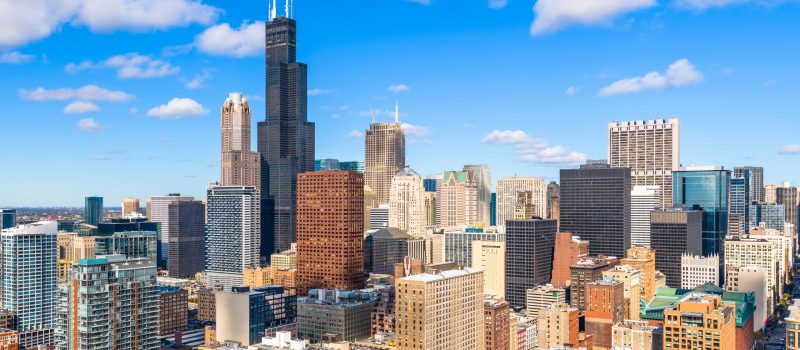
[(373, 112), (286, 9), (273, 10), (396, 112)]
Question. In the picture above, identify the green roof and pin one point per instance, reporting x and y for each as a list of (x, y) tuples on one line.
[(667, 298), (460, 176)]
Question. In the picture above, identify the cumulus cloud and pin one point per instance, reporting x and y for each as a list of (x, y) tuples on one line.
[(790, 149), (31, 20), (399, 88), (129, 66), (414, 130), (89, 125), (85, 93), (318, 91), (356, 134), (572, 90), (680, 73), (15, 57), (497, 4), (534, 150), (222, 40), (552, 15), (81, 107), (178, 108), (198, 81)]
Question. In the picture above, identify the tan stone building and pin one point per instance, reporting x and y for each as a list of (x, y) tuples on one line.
[(457, 200), (385, 156), (407, 203), (644, 259), (130, 206), (240, 166), (507, 189), (557, 325), (441, 311), (490, 256), (632, 284), (700, 321), (635, 335)]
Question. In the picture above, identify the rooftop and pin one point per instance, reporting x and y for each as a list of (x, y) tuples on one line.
[(426, 277)]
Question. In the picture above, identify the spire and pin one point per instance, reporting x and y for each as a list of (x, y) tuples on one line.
[(396, 112), (286, 9), (273, 10)]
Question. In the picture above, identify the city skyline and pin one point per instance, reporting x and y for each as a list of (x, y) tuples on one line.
[(156, 71)]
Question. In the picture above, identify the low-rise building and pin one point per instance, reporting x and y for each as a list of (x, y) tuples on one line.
[(344, 314), (697, 270), (496, 315), (793, 327), (541, 297), (700, 321), (636, 335), (173, 310)]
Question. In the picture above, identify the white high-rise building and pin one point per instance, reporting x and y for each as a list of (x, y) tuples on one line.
[(650, 148), (233, 234), (407, 203), (697, 270), (483, 178), (507, 189), (379, 217), (750, 279), (541, 297), (644, 199), (756, 252)]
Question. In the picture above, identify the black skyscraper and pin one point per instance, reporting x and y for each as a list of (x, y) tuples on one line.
[(596, 205), (285, 138), (674, 232), (529, 256)]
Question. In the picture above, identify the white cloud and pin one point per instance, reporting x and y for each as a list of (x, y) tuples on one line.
[(129, 66), (85, 93), (572, 90), (552, 15), (177, 108), (701, 5), (222, 40), (89, 125), (318, 91), (81, 107), (356, 134), (414, 130), (198, 81), (680, 73), (399, 88), (534, 150), (497, 4), (31, 20), (15, 57), (421, 2), (790, 149), (770, 83)]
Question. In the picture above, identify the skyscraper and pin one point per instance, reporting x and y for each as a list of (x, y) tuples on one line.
[(93, 210), (130, 206), (773, 216), (158, 211), (29, 280), (568, 250), (456, 199), (483, 179), (407, 203), (529, 256), (385, 155), (706, 189), (8, 218), (507, 189), (232, 234), (756, 176), (240, 166), (787, 196), (651, 149), (186, 255), (644, 199), (330, 230), (675, 232), (739, 213), (596, 205), (286, 137), (553, 194)]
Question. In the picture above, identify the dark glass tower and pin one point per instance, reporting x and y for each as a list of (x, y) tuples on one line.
[(529, 256), (93, 210), (285, 138)]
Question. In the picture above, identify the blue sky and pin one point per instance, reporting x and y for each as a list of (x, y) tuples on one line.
[(121, 98)]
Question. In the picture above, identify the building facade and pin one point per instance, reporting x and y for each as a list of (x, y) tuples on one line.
[(483, 179), (568, 250), (187, 232), (674, 233), (698, 270), (584, 272), (130, 207), (490, 256), (158, 212), (605, 307), (457, 198), (541, 297), (507, 189), (700, 322), (407, 203), (232, 234), (756, 185), (93, 210), (644, 199), (173, 310), (529, 256), (458, 244), (385, 156), (344, 314), (239, 166), (496, 317)]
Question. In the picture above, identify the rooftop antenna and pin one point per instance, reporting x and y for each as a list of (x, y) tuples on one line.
[(396, 112), (286, 9), (273, 10), (373, 112)]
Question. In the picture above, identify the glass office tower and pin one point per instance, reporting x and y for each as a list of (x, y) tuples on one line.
[(93, 210)]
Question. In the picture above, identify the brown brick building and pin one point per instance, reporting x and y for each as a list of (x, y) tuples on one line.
[(173, 310), (605, 306), (496, 322), (330, 230), (568, 250), (206, 305)]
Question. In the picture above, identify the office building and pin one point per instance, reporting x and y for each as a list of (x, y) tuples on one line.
[(756, 184), (379, 216), (429, 182), (130, 207), (596, 205), (285, 137), (385, 156), (493, 210), (490, 256), (158, 212), (507, 193), (698, 270), (423, 298), (496, 317), (344, 314), (635, 335), (568, 250), (553, 195), (330, 233), (8, 218), (385, 247), (787, 196), (541, 297), (243, 314), (557, 326), (9, 339), (700, 322), (456, 200), (109, 302), (93, 210), (173, 310), (793, 327), (458, 244), (352, 166), (232, 234), (407, 203), (584, 272), (644, 199), (757, 252), (706, 189), (187, 226), (605, 306), (750, 279), (739, 212), (529, 256), (767, 216), (29, 280), (651, 149), (644, 259), (631, 279), (239, 166), (673, 233), (382, 317), (523, 209), (483, 179), (326, 164), (434, 248), (206, 305), (430, 210)]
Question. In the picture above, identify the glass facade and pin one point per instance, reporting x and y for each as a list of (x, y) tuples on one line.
[(772, 215), (706, 190), (93, 210), (8, 218), (492, 210)]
